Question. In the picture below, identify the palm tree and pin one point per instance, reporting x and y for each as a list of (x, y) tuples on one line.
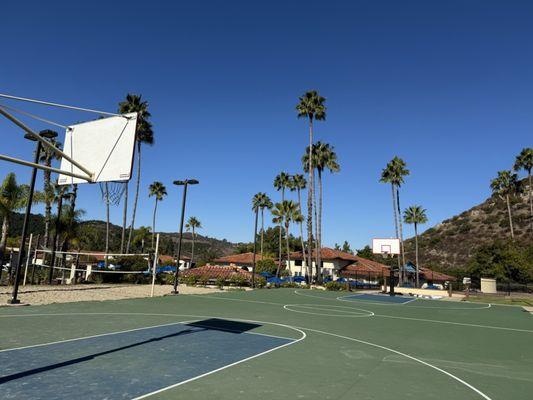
[(46, 158), (281, 182), (158, 190), (285, 212), (192, 224), (259, 202), (415, 215), (12, 197), (324, 157), (393, 173), (141, 236), (144, 134), (525, 161), (299, 183), (505, 185), (311, 106)]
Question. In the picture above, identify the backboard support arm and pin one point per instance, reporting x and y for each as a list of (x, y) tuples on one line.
[(89, 175), (44, 167)]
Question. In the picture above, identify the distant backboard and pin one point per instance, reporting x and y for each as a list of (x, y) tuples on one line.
[(386, 246), (105, 147)]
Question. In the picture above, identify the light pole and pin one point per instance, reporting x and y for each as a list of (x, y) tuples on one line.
[(56, 232), (255, 246), (184, 183), (48, 134)]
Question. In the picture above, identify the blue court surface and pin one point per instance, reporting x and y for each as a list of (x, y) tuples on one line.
[(128, 364), (382, 298)]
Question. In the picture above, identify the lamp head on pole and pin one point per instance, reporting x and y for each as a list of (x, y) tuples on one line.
[(187, 182)]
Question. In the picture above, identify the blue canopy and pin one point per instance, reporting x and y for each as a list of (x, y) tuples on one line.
[(266, 274), (166, 268), (410, 267), (275, 280), (298, 279)]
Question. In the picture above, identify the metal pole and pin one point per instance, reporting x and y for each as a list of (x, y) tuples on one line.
[(44, 167), (27, 261), (255, 247), (54, 243), (154, 269), (391, 290), (32, 279), (176, 276), (14, 299)]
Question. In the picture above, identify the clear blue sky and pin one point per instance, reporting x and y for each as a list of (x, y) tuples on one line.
[(448, 86)]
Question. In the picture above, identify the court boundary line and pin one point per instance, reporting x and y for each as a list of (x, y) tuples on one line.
[(346, 315), (377, 302)]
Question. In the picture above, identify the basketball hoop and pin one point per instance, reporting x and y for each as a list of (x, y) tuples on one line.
[(112, 192)]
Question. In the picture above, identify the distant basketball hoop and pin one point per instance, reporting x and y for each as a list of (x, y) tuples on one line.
[(386, 247)]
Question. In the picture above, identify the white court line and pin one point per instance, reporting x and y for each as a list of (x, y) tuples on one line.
[(299, 329), (406, 356), (229, 298), (347, 314), (340, 298)]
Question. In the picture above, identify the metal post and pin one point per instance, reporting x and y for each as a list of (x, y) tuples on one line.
[(154, 268), (14, 299), (32, 279), (391, 283), (54, 242), (27, 261), (176, 276), (255, 247)]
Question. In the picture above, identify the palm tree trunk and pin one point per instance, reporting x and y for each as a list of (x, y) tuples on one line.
[(287, 242), (400, 225), (310, 202), (530, 200), (262, 229), (153, 222), (192, 246), (317, 252), (74, 197), (48, 203), (3, 239), (280, 234), (107, 223), (137, 185), (319, 222), (124, 219), (395, 211), (510, 215), (416, 256), (304, 253)]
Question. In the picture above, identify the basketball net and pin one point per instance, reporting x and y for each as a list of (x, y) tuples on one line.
[(112, 192)]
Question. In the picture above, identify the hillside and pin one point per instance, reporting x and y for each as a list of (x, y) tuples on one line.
[(92, 237), (449, 245)]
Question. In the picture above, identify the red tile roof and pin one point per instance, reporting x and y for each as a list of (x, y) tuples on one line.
[(430, 275), (239, 259), (225, 272), (327, 254), (171, 259), (362, 266)]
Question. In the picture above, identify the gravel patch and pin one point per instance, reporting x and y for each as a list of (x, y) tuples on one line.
[(44, 294)]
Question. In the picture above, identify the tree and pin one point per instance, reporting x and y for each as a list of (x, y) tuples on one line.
[(299, 183), (312, 107), (324, 157), (284, 213), (525, 161), (46, 158), (141, 236), (393, 173), (192, 224), (159, 191), (12, 197), (415, 215), (143, 135), (259, 202), (281, 182), (506, 185)]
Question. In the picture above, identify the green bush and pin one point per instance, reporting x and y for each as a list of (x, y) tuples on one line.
[(334, 286), (238, 281), (220, 283), (191, 280), (266, 265)]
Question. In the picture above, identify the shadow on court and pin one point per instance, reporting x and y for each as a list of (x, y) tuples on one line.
[(213, 324)]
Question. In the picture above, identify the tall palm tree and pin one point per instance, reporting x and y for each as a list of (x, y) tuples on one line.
[(415, 215), (142, 234), (299, 183), (393, 173), (259, 202), (192, 224), (506, 185), (281, 182), (285, 212), (525, 161), (312, 107), (324, 157), (46, 158), (158, 190), (144, 135), (12, 197)]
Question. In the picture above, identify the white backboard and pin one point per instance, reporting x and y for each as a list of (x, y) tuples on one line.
[(386, 246), (105, 147)]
